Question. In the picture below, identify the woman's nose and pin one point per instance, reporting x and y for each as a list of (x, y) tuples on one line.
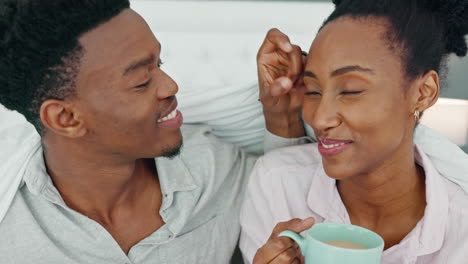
[(326, 116)]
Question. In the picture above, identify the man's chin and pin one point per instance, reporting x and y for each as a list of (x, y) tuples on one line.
[(173, 151)]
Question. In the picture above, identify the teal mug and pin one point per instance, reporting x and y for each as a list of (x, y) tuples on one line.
[(333, 243)]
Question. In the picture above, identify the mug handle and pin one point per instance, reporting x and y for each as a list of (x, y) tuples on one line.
[(296, 237)]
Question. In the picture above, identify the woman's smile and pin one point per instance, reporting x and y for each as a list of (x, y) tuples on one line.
[(329, 147)]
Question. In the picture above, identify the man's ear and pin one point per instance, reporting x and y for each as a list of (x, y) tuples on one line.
[(426, 91), (62, 118)]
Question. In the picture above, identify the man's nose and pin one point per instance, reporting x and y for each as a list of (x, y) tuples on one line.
[(168, 89)]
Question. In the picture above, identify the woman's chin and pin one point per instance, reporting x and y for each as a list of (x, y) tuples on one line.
[(337, 172)]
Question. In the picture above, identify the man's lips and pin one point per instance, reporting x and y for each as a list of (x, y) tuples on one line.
[(174, 121), (329, 147), (171, 117), (170, 109)]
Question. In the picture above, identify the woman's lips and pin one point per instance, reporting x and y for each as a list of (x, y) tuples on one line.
[(330, 147)]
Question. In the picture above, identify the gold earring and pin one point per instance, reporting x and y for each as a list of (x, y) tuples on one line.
[(416, 115)]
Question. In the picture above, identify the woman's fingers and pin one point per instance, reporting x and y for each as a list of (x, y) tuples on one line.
[(273, 249), (287, 257), (296, 225), (282, 249), (296, 63), (274, 40)]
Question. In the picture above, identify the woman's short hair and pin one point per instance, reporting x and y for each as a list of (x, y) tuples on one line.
[(423, 32), (39, 49)]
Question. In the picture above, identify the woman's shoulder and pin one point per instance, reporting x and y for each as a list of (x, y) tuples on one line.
[(458, 201), (292, 157), (455, 242), (287, 168)]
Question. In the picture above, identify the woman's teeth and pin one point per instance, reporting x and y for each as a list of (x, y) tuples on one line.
[(170, 116), (332, 145)]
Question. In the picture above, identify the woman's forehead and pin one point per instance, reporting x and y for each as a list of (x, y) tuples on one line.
[(349, 41)]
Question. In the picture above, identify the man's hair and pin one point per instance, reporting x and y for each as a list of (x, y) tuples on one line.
[(424, 32), (39, 49)]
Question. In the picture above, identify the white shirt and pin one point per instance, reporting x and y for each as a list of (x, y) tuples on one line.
[(291, 183)]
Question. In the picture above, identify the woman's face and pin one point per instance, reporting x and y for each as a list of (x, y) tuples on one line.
[(356, 99)]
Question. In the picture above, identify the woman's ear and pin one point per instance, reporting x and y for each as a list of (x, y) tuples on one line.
[(61, 118), (426, 92)]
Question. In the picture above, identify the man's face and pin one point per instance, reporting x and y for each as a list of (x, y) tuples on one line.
[(127, 103)]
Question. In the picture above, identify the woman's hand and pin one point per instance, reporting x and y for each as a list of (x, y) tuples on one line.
[(280, 66), (283, 250)]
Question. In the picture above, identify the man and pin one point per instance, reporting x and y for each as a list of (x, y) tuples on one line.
[(87, 75)]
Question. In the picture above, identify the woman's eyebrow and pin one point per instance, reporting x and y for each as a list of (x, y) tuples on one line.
[(351, 68), (341, 71)]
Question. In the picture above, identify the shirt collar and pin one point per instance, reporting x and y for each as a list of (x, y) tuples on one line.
[(428, 235), (433, 226), (174, 176), (38, 181), (325, 200)]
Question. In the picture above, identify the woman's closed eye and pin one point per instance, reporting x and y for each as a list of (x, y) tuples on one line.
[(351, 92), (312, 93)]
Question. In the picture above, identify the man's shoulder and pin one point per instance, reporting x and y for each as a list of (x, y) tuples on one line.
[(201, 138), (209, 159)]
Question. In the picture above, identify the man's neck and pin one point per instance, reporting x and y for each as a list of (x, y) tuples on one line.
[(100, 186)]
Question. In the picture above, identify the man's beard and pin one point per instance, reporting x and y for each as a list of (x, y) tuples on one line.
[(173, 151)]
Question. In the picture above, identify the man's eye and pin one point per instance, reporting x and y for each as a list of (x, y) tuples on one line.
[(143, 84), (160, 63), (312, 93)]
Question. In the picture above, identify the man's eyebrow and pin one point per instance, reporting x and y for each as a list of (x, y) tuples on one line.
[(140, 63), (150, 59), (352, 68)]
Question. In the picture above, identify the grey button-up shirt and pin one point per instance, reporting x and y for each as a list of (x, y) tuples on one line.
[(202, 190)]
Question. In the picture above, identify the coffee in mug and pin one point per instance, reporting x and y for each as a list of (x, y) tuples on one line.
[(345, 244)]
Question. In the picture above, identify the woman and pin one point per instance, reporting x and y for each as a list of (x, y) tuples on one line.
[(371, 72)]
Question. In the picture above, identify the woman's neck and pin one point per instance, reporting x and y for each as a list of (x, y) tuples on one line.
[(389, 200)]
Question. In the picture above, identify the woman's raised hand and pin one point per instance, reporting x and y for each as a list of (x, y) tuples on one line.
[(280, 66)]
